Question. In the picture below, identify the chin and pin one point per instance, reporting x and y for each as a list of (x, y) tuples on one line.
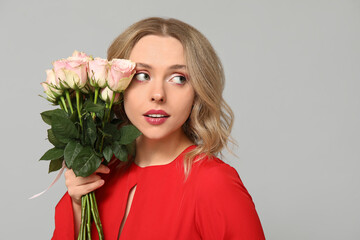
[(158, 135), (155, 137)]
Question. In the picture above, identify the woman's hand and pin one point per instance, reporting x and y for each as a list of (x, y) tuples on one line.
[(79, 186)]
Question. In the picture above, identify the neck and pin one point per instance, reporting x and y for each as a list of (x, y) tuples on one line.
[(160, 151)]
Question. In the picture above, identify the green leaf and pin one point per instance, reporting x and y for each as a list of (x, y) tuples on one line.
[(119, 151), (53, 140), (89, 106), (47, 115), (74, 116), (90, 130), (111, 130), (116, 121), (52, 154), (71, 151), (55, 165), (128, 134), (63, 128), (86, 162), (101, 115), (108, 153), (104, 133)]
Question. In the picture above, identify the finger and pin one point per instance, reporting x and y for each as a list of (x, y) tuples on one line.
[(102, 169), (91, 186), (71, 180), (69, 173), (78, 181), (79, 190), (87, 180)]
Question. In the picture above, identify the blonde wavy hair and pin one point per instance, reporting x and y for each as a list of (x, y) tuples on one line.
[(211, 119)]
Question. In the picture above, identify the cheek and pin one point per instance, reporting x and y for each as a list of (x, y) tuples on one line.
[(188, 101)]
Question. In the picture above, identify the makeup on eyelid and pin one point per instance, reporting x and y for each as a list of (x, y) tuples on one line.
[(175, 75)]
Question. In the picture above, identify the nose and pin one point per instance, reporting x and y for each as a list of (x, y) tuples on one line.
[(157, 97), (158, 92)]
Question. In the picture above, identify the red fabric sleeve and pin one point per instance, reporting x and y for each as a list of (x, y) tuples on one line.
[(64, 219), (224, 208)]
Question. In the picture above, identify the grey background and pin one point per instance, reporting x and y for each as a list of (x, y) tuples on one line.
[(292, 71)]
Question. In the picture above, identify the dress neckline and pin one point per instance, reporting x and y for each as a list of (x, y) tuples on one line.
[(167, 164)]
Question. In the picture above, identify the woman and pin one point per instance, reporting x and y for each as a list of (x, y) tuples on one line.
[(175, 187)]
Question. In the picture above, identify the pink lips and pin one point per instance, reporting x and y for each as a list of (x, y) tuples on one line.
[(156, 117)]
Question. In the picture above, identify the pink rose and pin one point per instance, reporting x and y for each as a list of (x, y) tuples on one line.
[(120, 74), (98, 72), (59, 67), (79, 54), (106, 94), (76, 73), (51, 79)]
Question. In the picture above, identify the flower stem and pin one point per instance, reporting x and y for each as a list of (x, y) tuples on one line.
[(105, 114), (109, 106), (64, 103), (96, 216), (78, 107), (83, 208), (96, 94), (112, 101), (88, 224), (60, 104), (95, 100), (106, 119), (69, 100), (102, 143), (84, 231)]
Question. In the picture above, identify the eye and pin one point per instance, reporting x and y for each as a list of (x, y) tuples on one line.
[(142, 76), (178, 79)]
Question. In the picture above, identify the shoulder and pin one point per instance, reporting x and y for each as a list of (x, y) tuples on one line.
[(223, 207), (215, 177)]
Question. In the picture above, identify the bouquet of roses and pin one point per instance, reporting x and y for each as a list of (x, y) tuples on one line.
[(84, 130)]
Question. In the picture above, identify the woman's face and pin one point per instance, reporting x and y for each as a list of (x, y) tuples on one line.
[(160, 97)]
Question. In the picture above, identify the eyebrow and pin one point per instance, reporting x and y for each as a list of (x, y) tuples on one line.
[(176, 66)]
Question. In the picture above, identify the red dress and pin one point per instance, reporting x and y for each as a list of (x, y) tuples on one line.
[(212, 204)]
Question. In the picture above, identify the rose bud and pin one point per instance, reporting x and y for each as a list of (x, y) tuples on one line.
[(120, 74), (98, 72), (51, 92), (106, 95)]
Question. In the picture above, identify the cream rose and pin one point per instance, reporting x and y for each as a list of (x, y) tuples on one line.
[(120, 74), (51, 79), (106, 95)]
